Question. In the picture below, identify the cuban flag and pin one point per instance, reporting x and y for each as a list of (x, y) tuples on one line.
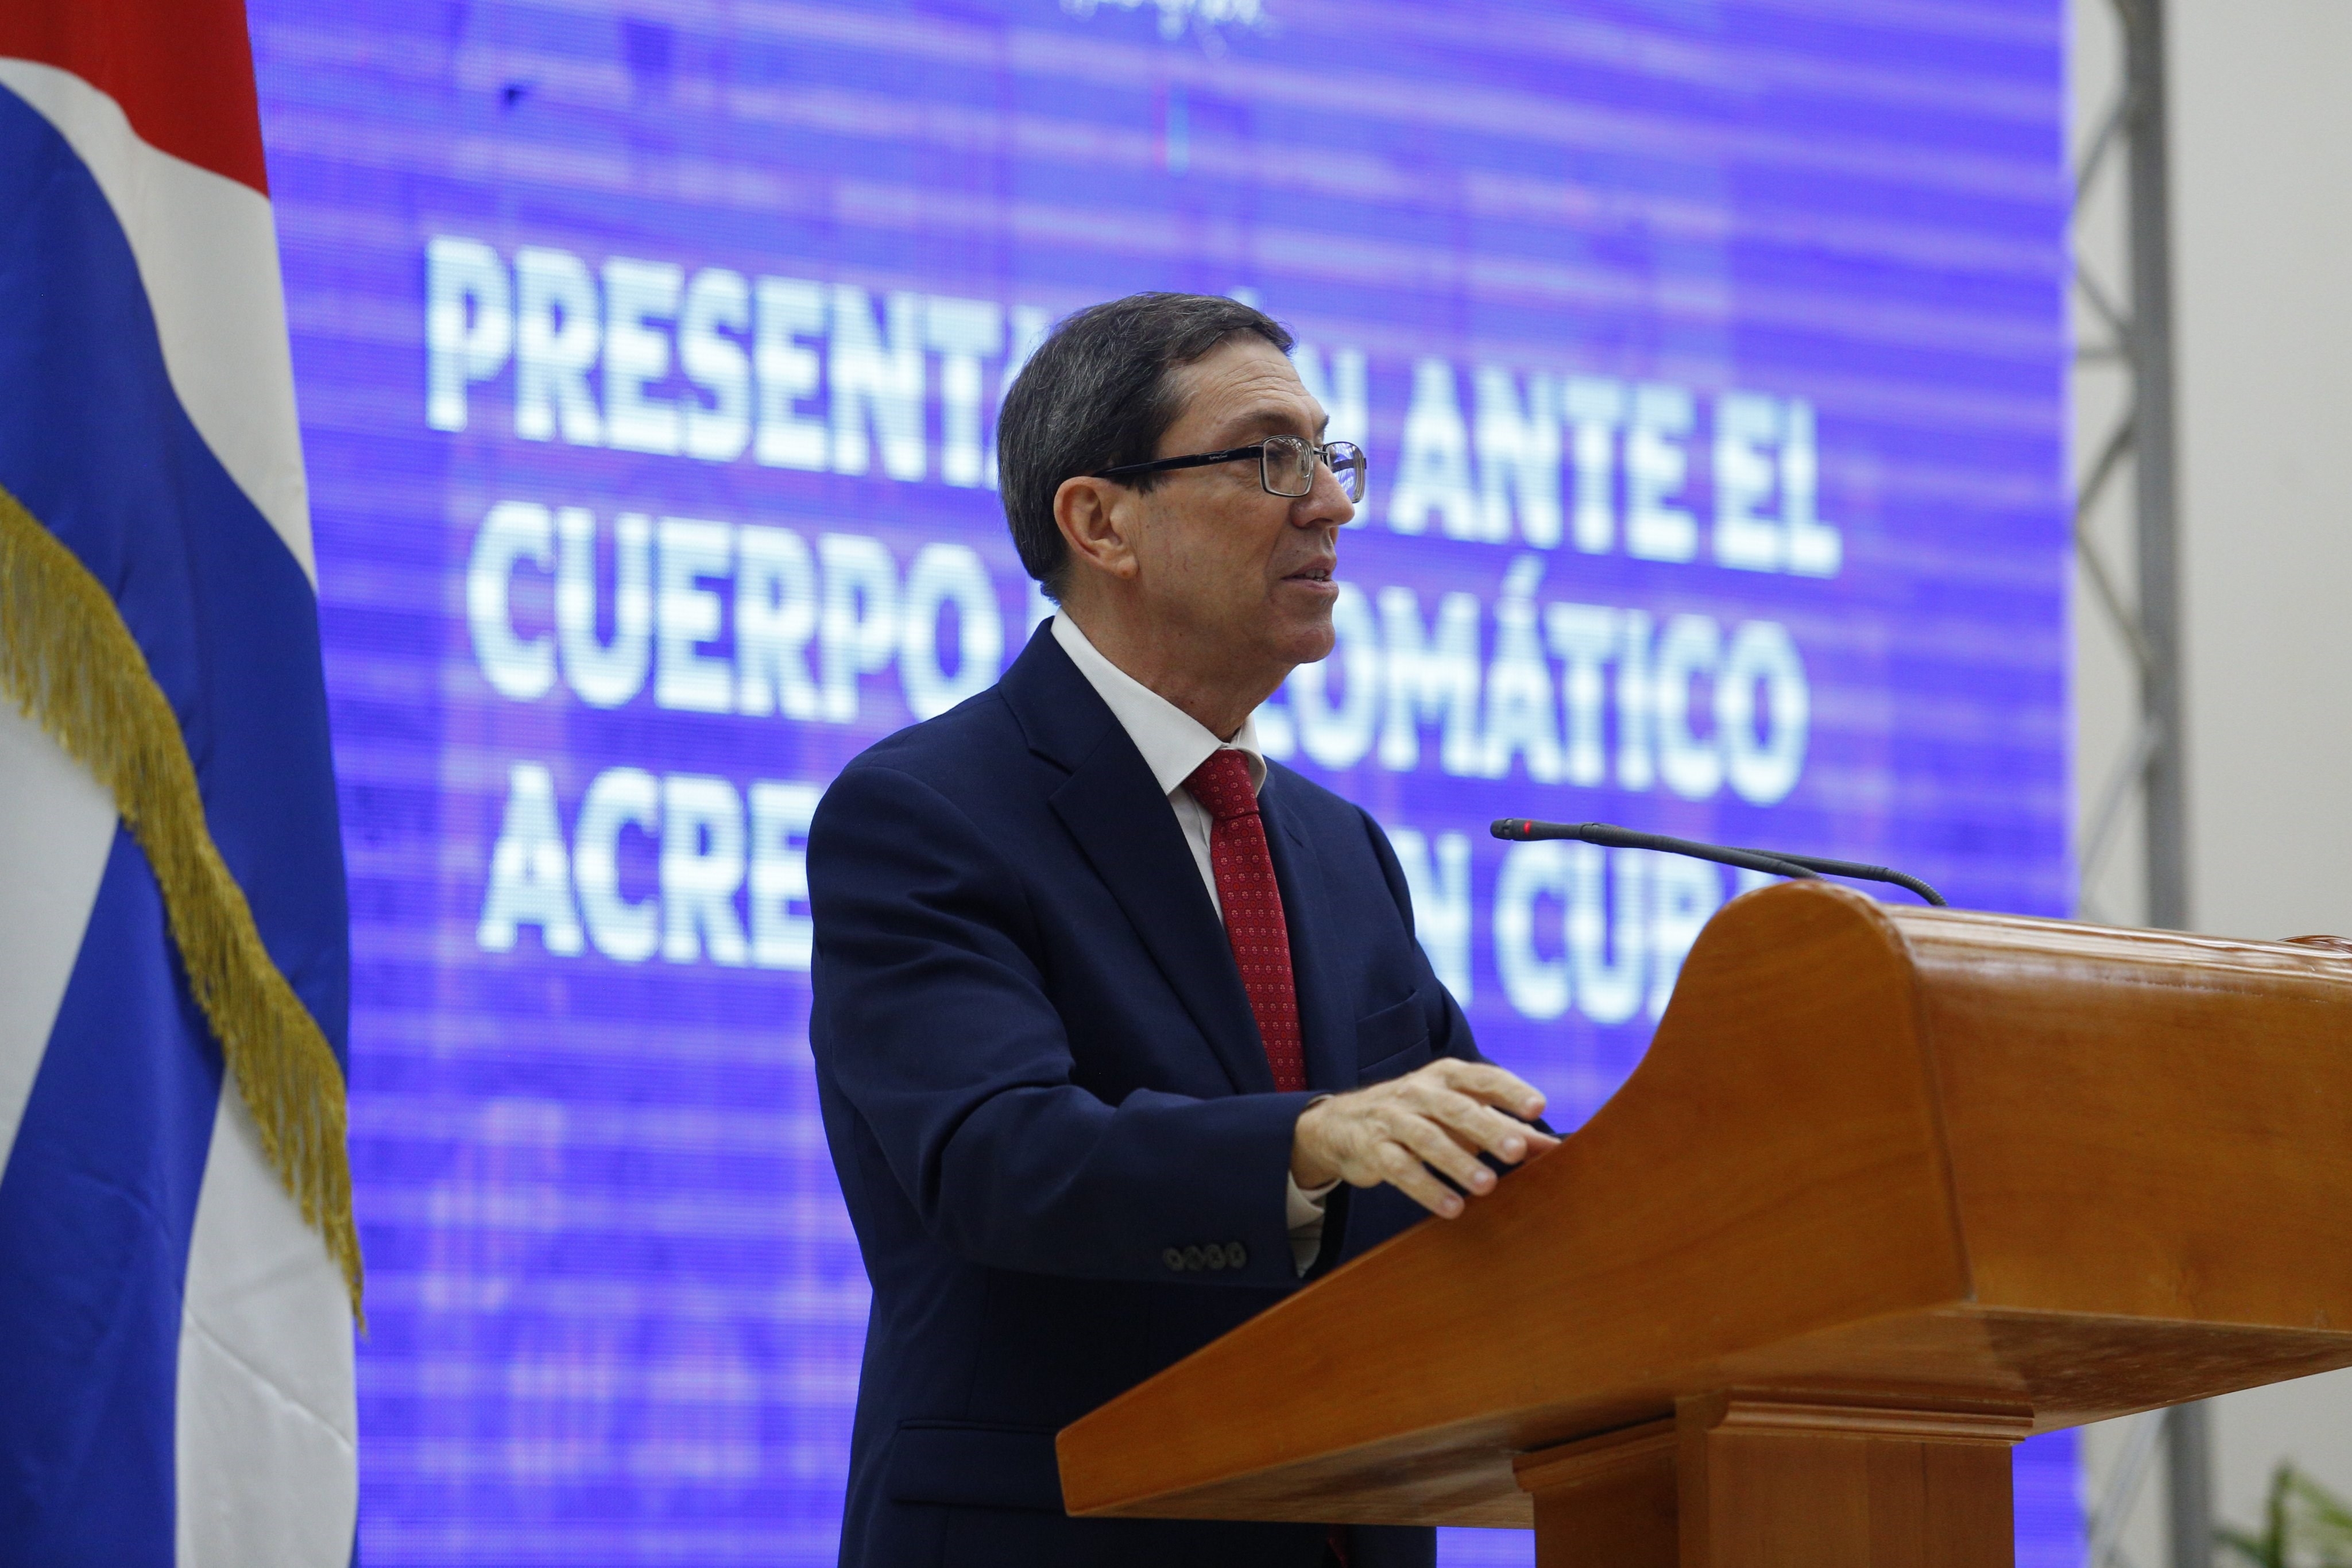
[(178, 1271)]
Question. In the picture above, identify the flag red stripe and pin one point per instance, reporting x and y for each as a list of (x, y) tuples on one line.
[(181, 70)]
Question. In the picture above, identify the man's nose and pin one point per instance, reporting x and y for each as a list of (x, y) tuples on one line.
[(1324, 506)]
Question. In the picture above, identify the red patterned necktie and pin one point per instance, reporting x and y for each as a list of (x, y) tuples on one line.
[(1261, 937), (1253, 922)]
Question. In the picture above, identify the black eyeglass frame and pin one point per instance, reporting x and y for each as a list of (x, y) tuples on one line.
[(1322, 450)]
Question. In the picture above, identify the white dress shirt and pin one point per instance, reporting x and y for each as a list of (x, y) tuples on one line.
[(1175, 744)]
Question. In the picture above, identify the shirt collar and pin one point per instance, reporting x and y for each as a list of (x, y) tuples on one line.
[(1172, 741)]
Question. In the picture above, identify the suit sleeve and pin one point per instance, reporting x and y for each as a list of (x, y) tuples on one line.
[(933, 1021)]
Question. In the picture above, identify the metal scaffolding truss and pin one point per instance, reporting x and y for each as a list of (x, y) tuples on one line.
[(2133, 337), (2185, 1433), (2132, 316)]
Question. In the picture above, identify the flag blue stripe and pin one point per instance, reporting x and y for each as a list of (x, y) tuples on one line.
[(96, 445), (98, 1200), (96, 1209)]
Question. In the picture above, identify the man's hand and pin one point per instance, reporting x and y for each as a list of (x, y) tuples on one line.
[(1435, 1120)]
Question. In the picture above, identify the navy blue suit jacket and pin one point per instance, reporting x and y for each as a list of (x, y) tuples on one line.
[(1051, 1111)]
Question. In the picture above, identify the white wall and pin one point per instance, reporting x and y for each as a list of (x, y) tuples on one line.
[(2263, 170), (2261, 150)]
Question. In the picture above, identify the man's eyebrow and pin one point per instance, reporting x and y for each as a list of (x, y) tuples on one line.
[(1269, 419)]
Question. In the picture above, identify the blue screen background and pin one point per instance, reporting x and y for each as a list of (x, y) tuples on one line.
[(1710, 358)]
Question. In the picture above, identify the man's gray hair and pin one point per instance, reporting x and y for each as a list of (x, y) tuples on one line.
[(1099, 392)]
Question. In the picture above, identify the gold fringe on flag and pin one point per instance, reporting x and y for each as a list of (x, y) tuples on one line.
[(71, 664)]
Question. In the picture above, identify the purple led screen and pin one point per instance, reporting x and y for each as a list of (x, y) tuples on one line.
[(1710, 361)]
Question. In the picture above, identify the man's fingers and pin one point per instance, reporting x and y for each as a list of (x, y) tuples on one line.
[(1430, 1141), (1385, 1156), (1480, 1124), (1484, 1081), (1434, 1124), (1410, 1177)]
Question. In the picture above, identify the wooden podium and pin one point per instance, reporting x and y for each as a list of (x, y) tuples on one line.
[(1893, 1189)]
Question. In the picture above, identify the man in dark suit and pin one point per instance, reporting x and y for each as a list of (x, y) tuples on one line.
[(1120, 1030)]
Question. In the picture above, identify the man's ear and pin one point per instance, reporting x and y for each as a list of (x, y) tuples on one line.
[(1097, 518)]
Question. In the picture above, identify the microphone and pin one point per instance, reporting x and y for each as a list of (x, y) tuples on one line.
[(1775, 862)]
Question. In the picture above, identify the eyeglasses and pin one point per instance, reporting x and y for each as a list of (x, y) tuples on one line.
[(1286, 465)]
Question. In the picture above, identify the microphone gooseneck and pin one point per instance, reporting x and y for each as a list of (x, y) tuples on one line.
[(1774, 862)]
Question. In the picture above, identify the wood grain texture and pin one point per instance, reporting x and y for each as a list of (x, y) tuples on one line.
[(1808, 1485), (2174, 1144), (1608, 1501), (1921, 1159), (1742, 1481)]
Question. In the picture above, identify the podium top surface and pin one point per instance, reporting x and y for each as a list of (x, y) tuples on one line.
[(1902, 1154)]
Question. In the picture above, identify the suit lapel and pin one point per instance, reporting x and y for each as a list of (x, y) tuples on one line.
[(1326, 1026), (1114, 809)]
